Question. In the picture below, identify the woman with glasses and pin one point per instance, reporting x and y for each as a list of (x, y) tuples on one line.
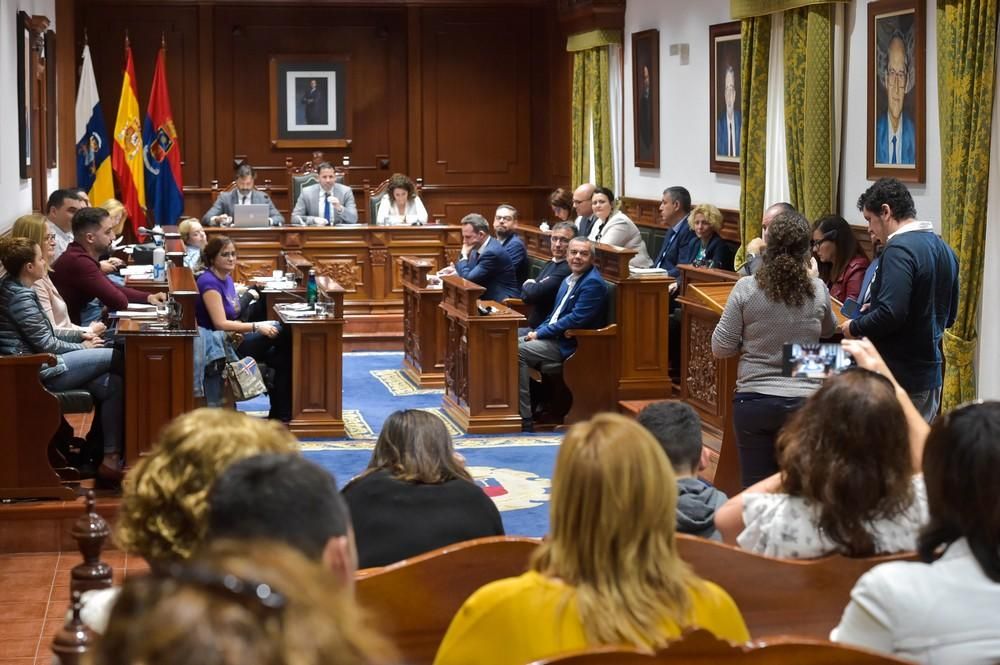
[(777, 305), (945, 608), (842, 261), (613, 227), (218, 308), (849, 479)]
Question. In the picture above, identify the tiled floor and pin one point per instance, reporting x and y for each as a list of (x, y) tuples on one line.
[(34, 598)]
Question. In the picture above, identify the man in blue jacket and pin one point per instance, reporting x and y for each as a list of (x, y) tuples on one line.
[(914, 294), (674, 209), (505, 225), (485, 261), (580, 303)]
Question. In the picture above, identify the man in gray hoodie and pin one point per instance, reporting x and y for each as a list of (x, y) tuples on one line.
[(678, 429)]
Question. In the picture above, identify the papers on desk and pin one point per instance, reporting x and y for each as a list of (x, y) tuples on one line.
[(141, 307), (296, 310), (271, 285), (134, 314), (647, 271), (137, 271)]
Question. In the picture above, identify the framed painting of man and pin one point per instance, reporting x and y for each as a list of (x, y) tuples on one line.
[(725, 119), (646, 97), (309, 101)]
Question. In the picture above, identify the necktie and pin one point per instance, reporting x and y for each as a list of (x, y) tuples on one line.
[(243, 200), (473, 257), (667, 241), (732, 152), (326, 207), (893, 150)]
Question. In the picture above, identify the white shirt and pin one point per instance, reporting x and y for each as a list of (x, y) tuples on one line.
[(787, 527), (595, 230), (911, 227), (571, 281), (244, 199), (388, 213), (944, 612), (63, 238)]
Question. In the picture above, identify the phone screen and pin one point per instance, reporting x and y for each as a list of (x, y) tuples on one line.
[(851, 308), (815, 361)]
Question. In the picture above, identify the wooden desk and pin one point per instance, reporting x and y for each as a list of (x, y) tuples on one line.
[(481, 378), (317, 370), (159, 369), (423, 325)]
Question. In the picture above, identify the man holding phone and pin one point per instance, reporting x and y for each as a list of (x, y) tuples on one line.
[(914, 294)]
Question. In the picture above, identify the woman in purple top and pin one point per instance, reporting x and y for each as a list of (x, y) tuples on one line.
[(265, 341)]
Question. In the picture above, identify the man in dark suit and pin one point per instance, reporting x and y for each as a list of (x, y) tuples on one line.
[(541, 293), (674, 209), (581, 302), (505, 225), (221, 212), (584, 208), (484, 260), (727, 128)]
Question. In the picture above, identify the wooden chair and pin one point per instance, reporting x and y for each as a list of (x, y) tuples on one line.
[(779, 596), (301, 176), (701, 646), (415, 600), (374, 195), (217, 190), (32, 419)]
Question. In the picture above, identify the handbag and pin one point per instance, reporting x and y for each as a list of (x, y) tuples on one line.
[(245, 379)]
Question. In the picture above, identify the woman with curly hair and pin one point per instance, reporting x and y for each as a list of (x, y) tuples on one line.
[(400, 203), (850, 478), (778, 305)]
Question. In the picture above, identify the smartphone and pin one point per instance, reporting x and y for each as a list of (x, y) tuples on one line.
[(815, 361), (851, 308)]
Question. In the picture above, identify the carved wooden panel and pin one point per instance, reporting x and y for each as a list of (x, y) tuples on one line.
[(702, 367), (348, 269), (411, 322), (396, 278), (456, 363), (248, 267)]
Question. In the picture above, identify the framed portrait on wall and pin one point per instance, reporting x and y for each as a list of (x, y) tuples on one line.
[(309, 104), (724, 95), (896, 94), (646, 97), (24, 87)]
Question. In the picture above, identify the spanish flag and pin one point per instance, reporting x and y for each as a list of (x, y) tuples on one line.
[(93, 166), (126, 154)]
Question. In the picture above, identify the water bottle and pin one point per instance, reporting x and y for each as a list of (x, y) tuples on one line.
[(158, 235), (159, 264), (311, 289)]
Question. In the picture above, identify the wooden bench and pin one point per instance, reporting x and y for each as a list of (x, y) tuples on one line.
[(780, 596), (413, 601)]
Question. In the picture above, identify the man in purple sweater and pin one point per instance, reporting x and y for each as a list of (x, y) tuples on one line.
[(77, 274)]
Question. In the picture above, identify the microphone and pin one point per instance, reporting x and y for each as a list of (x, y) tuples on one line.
[(298, 296), (150, 232)]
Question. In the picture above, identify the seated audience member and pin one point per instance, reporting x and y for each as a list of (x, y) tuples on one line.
[(755, 248), (223, 210), (779, 304), (842, 262), (195, 240), (708, 248), (850, 477), (601, 577), (484, 261), (416, 495), (81, 194), (561, 204), (505, 225), (944, 609), (81, 362), (581, 302), (268, 342), (326, 203), (119, 215), (164, 512), (677, 428), (238, 603), (34, 228), (77, 275), (613, 227), (583, 207), (400, 203), (541, 293), (285, 498), (675, 207), (61, 207)]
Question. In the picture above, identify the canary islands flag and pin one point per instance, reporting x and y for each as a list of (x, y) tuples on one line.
[(126, 154), (162, 155), (93, 168)]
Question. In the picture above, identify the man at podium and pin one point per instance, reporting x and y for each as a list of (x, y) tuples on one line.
[(485, 261), (580, 303)]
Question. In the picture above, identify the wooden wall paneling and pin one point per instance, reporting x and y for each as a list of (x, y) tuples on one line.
[(559, 119), (414, 79), (476, 96), (207, 167), (448, 204), (67, 62)]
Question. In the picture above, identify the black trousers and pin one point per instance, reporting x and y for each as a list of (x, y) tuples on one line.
[(757, 419)]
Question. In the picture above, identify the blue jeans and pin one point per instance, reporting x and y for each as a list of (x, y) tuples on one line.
[(928, 402), (90, 369)]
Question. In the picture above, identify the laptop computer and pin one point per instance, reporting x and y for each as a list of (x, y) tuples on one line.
[(251, 214)]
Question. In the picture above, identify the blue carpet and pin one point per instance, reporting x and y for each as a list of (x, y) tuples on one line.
[(513, 469)]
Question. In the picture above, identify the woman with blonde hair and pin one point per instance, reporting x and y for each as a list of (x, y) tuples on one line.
[(239, 603), (119, 215), (195, 239), (609, 572), (707, 248)]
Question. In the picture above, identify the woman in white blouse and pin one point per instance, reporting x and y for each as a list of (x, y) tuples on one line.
[(849, 478), (945, 609), (613, 227), (400, 203)]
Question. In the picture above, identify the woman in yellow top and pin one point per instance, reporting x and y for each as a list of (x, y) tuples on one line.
[(609, 572)]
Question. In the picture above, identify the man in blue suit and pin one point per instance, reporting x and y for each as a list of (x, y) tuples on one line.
[(727, 126), (485, 261), (674, 209), (895, 141), (580, 303), (505, 225)]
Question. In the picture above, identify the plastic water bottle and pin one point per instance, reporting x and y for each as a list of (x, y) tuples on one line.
[(159, 264), (312, 291), (158, 235)]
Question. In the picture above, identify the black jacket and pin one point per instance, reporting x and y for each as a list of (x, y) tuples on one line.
[(541, 293)]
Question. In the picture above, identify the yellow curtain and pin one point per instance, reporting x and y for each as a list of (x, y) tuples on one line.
[(592, 106), (741, 9), (966, 44), (809, 114), (755, 35)]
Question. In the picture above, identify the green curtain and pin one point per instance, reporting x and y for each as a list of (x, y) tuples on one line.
[(809, 113), (966, 45), (755, 34), (740, 9), (592, 114)]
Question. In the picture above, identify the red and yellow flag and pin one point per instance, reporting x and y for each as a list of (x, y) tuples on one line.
[(126, 154)]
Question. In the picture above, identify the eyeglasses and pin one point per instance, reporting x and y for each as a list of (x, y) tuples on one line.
[(558, 240), (228, 255), (817, 243), (238, 589), (895, 77), (505, 218)]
